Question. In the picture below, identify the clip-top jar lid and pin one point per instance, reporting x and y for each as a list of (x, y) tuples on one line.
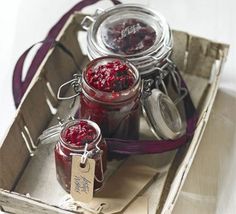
[(130, 31), (162, 116)]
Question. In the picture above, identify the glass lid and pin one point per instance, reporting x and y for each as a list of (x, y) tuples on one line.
[(129, 30), (162, 116), (127, 35)]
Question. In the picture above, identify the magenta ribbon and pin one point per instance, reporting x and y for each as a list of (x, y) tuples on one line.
[(134, 147)]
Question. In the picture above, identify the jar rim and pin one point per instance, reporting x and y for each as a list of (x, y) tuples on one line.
[(80, 148), (123, 94)]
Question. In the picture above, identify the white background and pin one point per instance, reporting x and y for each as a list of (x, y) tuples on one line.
[(24, 22)]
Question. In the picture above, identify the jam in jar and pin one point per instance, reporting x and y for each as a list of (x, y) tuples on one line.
[(75, 137), (111, 90)]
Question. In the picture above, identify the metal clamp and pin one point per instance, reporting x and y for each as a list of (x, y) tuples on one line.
[(53, 130), (88, 20), (182, 91), (146, 89), (169, 67), (75, 83)]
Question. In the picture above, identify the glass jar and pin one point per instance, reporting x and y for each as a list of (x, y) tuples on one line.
[(143, 37), (116, 110), (77, 138), (131, 31)]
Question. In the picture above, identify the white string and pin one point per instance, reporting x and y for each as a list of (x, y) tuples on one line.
[(70, 204)]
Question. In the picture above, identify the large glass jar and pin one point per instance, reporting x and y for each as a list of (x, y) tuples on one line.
[(131, 31), (110, 96), (76, 138)]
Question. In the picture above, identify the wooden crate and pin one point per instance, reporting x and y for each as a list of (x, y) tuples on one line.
[(200, 61)]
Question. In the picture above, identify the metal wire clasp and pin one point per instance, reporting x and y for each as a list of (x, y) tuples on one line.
[(76, 85), (169, 67), (146, 88), (88, 20), (53, 131)]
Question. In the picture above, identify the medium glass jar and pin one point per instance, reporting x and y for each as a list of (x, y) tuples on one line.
[(110, 96), (117, 110), (73, 139)]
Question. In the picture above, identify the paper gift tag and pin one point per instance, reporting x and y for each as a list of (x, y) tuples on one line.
[(82, 179)]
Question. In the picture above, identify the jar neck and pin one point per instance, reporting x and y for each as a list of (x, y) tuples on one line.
[(69, 148), (79, 149)]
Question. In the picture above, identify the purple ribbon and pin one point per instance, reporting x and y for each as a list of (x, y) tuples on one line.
[(132, 147), (18, 85)]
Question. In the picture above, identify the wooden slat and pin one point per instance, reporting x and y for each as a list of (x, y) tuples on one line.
[(26, 205), (49, 93)]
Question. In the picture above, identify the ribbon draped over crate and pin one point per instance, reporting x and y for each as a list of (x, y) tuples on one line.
[(115, 146)]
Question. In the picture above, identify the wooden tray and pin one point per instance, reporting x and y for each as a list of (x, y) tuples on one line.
[(27, 177)]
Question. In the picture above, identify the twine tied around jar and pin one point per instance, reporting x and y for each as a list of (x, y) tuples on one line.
[(91, 154)]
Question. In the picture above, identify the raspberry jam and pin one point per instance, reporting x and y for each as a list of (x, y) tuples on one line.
[(129, 36), (110, 77), (73, 138), (110, 97), (79, 134)]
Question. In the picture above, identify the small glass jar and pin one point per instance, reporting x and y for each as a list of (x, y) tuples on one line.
[(116, 111), (64, 149), (132, 31)]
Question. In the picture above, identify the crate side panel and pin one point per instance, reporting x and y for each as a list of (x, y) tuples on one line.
[(179, 48), (183, 168), (202, 55), (199, 63), (65, 60), (13, 155)]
